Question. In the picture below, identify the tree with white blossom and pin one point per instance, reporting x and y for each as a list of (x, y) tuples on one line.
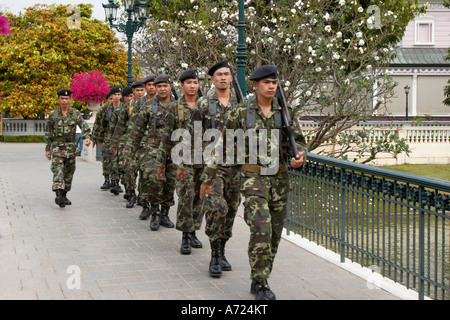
[(330, 55)]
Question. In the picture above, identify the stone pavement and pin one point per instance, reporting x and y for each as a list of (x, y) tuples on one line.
[(98, 249)]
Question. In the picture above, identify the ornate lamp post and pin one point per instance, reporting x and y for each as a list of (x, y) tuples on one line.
[(241, 54), (406, 92), (137, 14)]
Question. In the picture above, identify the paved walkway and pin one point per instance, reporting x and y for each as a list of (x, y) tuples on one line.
[(43, 247)]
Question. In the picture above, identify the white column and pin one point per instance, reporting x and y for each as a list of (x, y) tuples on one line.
[(414, 94)]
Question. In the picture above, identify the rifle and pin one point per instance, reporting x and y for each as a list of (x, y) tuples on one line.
[(237, 88), (286, 117), (174, 92)]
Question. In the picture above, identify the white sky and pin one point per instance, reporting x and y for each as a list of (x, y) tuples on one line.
[(16, 6)]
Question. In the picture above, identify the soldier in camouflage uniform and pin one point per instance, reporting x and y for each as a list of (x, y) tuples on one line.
[(264, 186), (101, 136), (60, 145), (179, 116), (221, 206), (147, 130), (127, 96), (121, 133), (106, 161)]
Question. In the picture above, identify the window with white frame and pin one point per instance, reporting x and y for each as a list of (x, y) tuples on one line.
[(424, 31)]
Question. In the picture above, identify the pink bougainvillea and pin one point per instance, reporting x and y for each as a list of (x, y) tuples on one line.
[(4, 25), (89, 87)]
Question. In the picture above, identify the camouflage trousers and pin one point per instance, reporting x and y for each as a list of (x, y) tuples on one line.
[(265, 214), (189, 210), (108, 159), (63, 166), (221, 205), (130, 174), (159, 191), (142, 164), (121, 163)]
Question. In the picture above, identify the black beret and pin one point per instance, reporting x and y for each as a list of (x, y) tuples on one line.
[(137, 84), (189, 74), (150, 78), (108, 94), (117, 89), (222, 64), (127, 91), (64, 92), (162, 78), (263, 72)]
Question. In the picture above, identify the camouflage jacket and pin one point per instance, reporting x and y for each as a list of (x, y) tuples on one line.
[(263, 132), (125, 120), (61, 129), (146, 130), (101, 131), (203, 113), (178, 116)]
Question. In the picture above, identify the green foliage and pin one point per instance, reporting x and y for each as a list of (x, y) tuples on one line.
[(42, 53), (25, 139)]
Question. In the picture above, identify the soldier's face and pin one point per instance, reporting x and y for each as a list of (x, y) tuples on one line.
[(150, 88), (138, 93), (110, 99), (116, 97), (64, 101), (222, 78), (128, 98), (190, 86), (163, 90), (266, 87)]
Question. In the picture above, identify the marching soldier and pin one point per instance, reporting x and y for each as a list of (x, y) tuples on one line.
[(121, 133), (99, 119), (221, 206), (179, 116), (127, 95), (60, 145), (147, 130), (265, 187)]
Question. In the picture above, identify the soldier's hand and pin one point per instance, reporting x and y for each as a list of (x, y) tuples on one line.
[(161, 172), (205, 189), (181, 173), (48, 155), (297, 163), (114, 150), (87, 142)]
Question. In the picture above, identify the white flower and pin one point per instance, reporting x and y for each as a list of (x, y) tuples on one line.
[(338, 34), (360, 9), (298, 57), (184, 65), (361, 42), (336, 56), (293, 11), (328, 28), (318, 69), (341, 2), (326, 16), (359, 34), (308, 93)]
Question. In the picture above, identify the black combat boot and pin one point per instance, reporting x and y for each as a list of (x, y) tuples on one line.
[(185, 243), (145, 212), (107, 184), (67, 202), (165, 221), (261, 290), (131, 199), (127, 194), (194, 240), (224, 264), (156, 217), (114, 187), (59, 200), (215, 270)]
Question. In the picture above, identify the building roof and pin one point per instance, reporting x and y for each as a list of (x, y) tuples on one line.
[(420, 57)]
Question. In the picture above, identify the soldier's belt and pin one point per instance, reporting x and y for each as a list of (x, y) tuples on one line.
[(154, 141), (264, 171), (62, 139)]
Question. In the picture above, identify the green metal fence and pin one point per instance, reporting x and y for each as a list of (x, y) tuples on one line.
[(395, 222)]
